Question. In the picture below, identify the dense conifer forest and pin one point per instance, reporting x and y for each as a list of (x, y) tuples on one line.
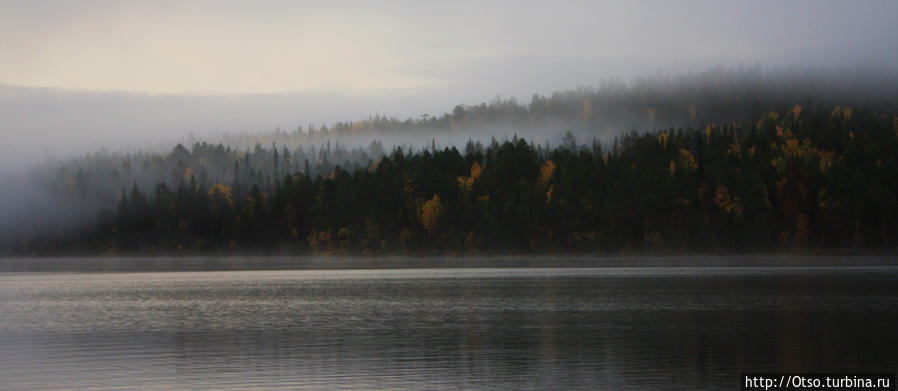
[(796, 179), (721, 161)]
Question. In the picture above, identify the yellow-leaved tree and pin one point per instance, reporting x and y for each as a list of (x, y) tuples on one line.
[(220, 197), (687, 160), (465, 183), (429, 214), (545, 174)]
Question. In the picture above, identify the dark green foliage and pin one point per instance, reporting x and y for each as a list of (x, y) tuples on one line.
[(799, 179)]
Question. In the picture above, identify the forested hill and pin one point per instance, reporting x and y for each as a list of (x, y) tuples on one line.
[(803, 178), (612, 107)]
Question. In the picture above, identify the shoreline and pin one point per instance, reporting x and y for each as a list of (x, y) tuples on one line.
[(308, 262)]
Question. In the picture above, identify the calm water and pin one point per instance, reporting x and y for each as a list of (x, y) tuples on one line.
[(567, 328)]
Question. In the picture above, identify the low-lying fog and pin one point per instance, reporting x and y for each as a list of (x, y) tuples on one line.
[(122, 133)]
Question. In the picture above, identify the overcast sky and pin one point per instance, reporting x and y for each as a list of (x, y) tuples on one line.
[(202, 66)]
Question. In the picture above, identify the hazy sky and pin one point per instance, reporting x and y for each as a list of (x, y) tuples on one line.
[(122, 71), (227, 47)]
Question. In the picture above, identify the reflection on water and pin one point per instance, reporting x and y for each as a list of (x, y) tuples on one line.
[(600, 328)]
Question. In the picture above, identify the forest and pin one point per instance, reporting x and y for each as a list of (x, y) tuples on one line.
[(720, 161), (794, 180)]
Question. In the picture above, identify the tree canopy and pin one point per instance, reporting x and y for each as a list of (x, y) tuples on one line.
[(802, 178)]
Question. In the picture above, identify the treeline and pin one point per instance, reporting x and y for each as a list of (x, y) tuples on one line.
[(97, 180), (613, 106), (84, 186), (799, 179)]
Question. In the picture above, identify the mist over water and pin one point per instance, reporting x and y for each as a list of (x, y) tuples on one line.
[(106, 86), (94, 145), (52, 124), (502, 195), (127, 74)]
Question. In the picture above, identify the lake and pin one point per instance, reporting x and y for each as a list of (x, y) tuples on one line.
[(418, 328)]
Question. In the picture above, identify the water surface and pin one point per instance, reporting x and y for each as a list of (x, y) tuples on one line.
[(461, 328)]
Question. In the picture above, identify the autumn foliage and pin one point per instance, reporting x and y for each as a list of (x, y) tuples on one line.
[(803, 179)]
